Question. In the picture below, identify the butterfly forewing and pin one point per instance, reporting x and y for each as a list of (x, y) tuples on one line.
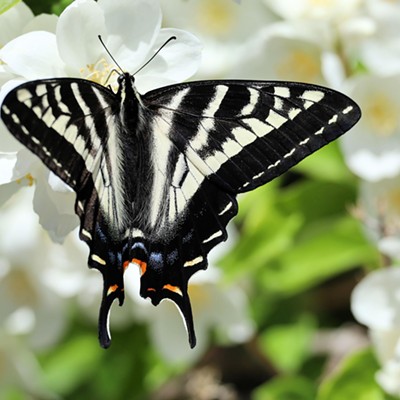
[(248, 133), (156, 176)]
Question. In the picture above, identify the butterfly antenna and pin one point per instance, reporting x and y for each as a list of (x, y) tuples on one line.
[(155, 54), (112, 58)]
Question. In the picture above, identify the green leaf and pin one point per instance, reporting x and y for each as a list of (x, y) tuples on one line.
[(73, 364), (317, 200), (286, 388), (329, 248), (354, 380), (7, 4), (287, 346), (327, 165)]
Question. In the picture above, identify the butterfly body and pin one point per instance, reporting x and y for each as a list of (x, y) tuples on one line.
[(156, 176)]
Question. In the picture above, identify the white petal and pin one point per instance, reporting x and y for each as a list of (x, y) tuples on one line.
[(390, 246), (132, 28), (389, 377), (386, 343), (372, 147), (375, 301), (55, 210), (373, 167), (42, 22), (33, 56), (13, 21), (77, 33), (177, 61), (283, 52)]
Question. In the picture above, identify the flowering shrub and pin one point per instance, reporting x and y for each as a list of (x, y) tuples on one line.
[(298, 246)]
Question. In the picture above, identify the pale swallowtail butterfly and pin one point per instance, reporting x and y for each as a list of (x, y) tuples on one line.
[(156, 175)]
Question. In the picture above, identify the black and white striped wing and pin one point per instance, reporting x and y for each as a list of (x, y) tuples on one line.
[(70, 125), (228, 137), (156, 176), (218, 139)]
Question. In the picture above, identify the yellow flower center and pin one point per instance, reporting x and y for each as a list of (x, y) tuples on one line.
[(29, 178), (394, 200), (299, 66), (216, 17), (99, 72), (382, 114)]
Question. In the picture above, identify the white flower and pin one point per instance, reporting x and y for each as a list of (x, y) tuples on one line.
[(372, 147), (20, 19), (375, 302), (224, 26), (292, 51), (132, 33), (29, 307), (379, 51), (380, 212)]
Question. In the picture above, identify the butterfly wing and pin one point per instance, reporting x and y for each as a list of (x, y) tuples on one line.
[(222, 138), (67, 123), (205, 143)]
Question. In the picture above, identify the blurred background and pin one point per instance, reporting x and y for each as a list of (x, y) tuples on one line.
[(301, 303)]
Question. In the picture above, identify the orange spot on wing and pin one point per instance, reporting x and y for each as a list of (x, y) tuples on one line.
[(150, 289), (112, 289), (141, 264), (125, 264), (174, 289)]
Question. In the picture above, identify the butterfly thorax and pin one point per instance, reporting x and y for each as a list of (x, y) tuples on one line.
[(134, 166)]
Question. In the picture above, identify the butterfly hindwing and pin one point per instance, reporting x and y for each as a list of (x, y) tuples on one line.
[(156, 176)]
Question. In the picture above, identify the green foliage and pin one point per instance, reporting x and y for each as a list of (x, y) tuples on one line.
[(288, 345), (72, 365), (354, 380), (286, 388), (47, 6)]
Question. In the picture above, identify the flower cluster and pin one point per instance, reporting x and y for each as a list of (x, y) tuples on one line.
[(349, 45)]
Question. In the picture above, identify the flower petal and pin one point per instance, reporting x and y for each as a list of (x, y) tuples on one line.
[(176, 62), (13, 21), (33, 55), (132, 28), (55, 209), (375, 301), (77, 34)]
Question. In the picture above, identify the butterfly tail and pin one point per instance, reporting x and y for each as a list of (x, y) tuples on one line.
[(110, 293)]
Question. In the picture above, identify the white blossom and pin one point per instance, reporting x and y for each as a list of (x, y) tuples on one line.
[(375, 302), (372, 147), (28, 307), (291, 51), (224, 27)]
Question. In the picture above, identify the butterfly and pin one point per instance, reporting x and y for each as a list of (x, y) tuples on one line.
[(156, 175)]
